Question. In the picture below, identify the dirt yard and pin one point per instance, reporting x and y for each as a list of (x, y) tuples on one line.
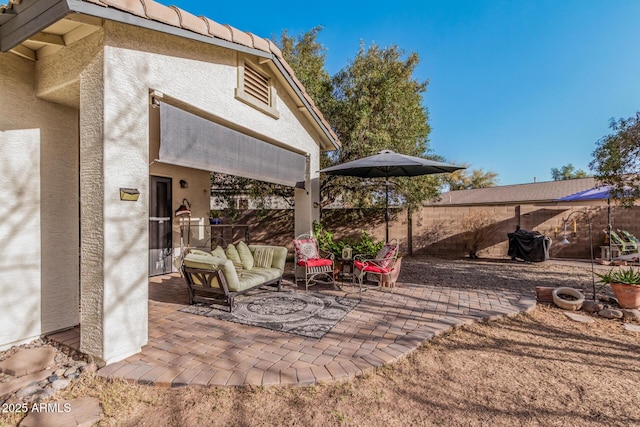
[(534, 369)]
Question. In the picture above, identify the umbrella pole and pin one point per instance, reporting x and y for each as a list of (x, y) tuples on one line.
[(386, 210), (609, 227)]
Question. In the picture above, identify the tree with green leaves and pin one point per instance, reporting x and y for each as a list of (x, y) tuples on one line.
[(616, 159), (307, 58), (378, 105), (567, 171), (465, 179), (374, 103)]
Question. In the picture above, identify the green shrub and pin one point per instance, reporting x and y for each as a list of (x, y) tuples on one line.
[(366, 245)]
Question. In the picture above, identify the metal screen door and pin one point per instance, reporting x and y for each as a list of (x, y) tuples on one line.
[(160, 226)]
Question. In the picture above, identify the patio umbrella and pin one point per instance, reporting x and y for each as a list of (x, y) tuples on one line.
[(597, 193), (387, 164)]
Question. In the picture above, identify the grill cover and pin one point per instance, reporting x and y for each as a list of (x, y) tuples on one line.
[(528, 245)]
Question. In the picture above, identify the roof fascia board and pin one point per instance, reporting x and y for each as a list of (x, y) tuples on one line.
[(31, 20), (311, 111)]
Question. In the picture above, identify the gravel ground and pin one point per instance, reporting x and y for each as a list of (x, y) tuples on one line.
[(499, 274)]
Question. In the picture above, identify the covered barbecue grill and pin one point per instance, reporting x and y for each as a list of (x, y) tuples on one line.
[(528, 245)]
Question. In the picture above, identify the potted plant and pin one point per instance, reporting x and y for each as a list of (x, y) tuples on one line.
[(215, 217), (625, 284)]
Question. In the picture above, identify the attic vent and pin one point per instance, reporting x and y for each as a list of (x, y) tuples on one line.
[(256, 85), (255, 88)]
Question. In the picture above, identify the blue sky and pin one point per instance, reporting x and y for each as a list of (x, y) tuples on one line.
[(516, 87)]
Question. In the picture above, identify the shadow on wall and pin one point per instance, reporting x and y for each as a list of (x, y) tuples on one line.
[(276, 226), (272, 227), (446, 236)]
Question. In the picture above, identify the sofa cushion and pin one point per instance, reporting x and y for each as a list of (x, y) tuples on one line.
[(279, 255), (262, 275), (209, 262), (246, 257), (219, 252), (263, 257), (197, 252), (232, 254)]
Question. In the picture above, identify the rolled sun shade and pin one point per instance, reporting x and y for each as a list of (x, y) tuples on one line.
[(192, 141)]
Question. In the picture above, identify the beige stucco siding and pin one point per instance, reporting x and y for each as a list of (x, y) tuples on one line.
[(78, 122), (204, 78), (39, 207)]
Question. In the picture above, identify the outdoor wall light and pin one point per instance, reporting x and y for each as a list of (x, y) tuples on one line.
[(129, 194), (184, 184), (184, 208)]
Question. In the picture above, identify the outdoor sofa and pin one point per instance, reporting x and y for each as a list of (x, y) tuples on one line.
[(224, 273)]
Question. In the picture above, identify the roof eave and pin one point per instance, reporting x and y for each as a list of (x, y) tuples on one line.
[(39, 15)]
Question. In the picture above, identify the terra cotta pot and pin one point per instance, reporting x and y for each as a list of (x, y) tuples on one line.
[(628, 296)]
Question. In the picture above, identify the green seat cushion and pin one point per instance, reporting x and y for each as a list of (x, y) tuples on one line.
[(210, 262)]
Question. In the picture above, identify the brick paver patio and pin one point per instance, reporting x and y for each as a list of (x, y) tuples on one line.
[(191, 350)]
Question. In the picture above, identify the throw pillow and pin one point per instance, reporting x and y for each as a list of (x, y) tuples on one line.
[(263, 257), (232, 254), (386, 254), (306, 248), (245, 255), (219, 252)]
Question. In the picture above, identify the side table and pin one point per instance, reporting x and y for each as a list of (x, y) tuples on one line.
[(346, 264)]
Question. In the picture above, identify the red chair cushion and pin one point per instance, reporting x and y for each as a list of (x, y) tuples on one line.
[(370, 268), (315, 262)]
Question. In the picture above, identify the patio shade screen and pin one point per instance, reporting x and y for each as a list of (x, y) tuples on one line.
[(192, 141)]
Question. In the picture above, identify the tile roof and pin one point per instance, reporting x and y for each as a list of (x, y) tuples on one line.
[(519, 193), (176, 17)]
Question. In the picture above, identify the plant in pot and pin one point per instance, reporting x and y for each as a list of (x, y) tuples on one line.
[(215, 217), (625, 284)]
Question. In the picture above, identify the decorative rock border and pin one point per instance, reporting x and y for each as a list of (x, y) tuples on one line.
[(27, 385), (604, 306)]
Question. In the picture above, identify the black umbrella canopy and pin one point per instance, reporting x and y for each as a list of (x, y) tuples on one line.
[(386, 164), (389, 163)]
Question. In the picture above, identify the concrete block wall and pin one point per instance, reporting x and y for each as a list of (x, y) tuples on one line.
[(437, 230)]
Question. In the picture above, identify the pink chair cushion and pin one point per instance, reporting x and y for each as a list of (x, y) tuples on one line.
[(306, 248), (371, 268), (315, 262), (386, 254)]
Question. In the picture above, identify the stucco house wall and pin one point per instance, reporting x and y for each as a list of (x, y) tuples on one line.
[(39, 207), (78, 126)]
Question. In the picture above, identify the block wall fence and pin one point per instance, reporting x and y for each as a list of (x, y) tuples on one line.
[(438, 230)]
